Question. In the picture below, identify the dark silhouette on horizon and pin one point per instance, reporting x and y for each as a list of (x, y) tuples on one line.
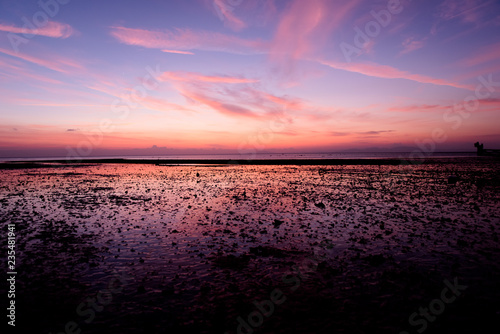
[(482, 152)]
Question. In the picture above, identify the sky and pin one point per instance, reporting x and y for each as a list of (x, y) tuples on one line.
[(90, 78)]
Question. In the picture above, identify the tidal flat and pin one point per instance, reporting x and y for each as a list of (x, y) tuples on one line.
[(144, 248)]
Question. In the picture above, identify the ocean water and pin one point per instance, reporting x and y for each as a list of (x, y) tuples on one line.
[(272, 156)]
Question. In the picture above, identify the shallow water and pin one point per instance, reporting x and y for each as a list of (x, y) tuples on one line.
[(195, 246)]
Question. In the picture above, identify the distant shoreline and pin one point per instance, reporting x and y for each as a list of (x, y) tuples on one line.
[(242, 162), (251, 155)]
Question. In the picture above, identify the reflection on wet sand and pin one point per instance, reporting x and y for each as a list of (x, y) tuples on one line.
[(202, 246)]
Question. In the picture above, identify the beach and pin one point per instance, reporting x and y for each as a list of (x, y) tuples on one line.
[(255, 246)]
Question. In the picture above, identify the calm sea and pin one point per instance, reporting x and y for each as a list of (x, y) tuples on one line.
[(258, 156)]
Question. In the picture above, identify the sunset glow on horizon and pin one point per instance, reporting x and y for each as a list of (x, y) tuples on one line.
[(205, 76)]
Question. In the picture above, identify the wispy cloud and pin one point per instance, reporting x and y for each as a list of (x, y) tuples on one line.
[(302, 31), (488, 104), (483, 55), (36, 103), (226, 11), (467, 11), (159, 104), (410, 45), (483, 70), (14, 70), (419, 108), (388, 72), (305, 27), (219, 105), (150, 102), (56, 63), (187, 39), (196, 77), (233, 96), (338, 133), (359, 134), (474, 14), (179, 52), (241, 14), (51, 29), (374, 133)]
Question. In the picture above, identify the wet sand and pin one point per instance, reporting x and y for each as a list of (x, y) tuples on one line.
[(341, 247)]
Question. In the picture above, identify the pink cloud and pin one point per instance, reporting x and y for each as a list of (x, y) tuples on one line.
[(14, 70), (369, 47), (482, 71), (42, 103), (102, 88), (196, 77), (187, 39), (305, 27), (301, 32), (388, 72), (468, 11), (218, 105), (484, 55), (53, 64), (288, 103), (488, 104), (240, 14), (179, 52), (297, 27), (410, 45), (62, 96), (230, 95), (28, 77), (161, 105), (266, 103), (51, 29), (419, 108), (148, 101), (397, 28), (226, 13)]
